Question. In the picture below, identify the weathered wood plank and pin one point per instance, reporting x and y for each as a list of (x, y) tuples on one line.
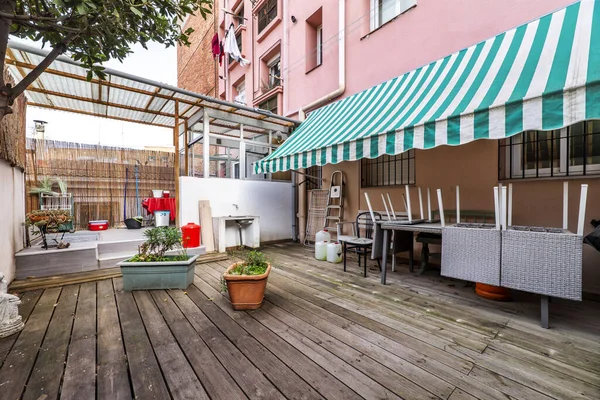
[(181, 379), (506, 385), (19, 362), (214, 377), (286, 380), (538, 378), (28, 301), (80, 374), (249, 378), (546, 362), (354, 322), (319, 378), (49, 366), (146, 376), (461, 395), (113, 378), (354, 350), (357, 380)]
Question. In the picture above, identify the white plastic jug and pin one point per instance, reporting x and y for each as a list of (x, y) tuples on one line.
[(321, 250), (334, 252), (323, 236)]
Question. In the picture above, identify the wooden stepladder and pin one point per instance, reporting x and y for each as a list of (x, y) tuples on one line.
[(335, 202)]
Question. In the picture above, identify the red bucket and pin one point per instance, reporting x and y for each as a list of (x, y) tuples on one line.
[(191, 235)]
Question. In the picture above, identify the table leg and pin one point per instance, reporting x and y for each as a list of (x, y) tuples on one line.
[(344, 246), (544, 309), (411, 256), (424, 257), (384, 254)]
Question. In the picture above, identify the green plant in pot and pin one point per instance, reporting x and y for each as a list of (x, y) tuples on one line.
[(161, 262), (246, 280)]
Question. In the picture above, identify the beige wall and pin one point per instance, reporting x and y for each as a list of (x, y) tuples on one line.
[(12, 202), (475, 168)]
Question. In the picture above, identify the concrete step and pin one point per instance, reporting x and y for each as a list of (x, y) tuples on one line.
[(52, 262), (127, 247)]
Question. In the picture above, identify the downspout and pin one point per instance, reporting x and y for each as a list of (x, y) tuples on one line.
[(302, 193), (284, 56)]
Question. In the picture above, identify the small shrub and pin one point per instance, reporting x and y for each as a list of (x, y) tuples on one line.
[(159, 240), (253, 263)]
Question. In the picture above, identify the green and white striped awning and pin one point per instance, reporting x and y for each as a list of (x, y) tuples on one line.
[(542, 75)]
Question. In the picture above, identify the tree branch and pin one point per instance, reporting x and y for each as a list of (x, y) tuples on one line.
[(41, 67), (4, 32), (50, 27), (27, 17)]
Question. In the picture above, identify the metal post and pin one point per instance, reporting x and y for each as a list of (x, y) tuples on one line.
[(186, 151), (242, 153), (206, 145), (176, 164)]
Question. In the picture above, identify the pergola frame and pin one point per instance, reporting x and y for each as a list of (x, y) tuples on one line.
[(64, 86)]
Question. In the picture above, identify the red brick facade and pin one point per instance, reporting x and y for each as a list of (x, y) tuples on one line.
[(196, 69)]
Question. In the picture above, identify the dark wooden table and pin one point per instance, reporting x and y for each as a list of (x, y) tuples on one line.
[(387, 227)]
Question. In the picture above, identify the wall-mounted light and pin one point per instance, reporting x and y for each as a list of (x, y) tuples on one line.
[(294, 20)]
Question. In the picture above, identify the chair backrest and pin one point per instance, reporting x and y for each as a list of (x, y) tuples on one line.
[(365, 224)]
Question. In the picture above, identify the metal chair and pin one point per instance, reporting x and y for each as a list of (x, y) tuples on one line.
[(361, 240)]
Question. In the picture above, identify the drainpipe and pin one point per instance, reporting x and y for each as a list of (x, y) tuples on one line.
[(341, 66), (302, 193), (284, 56)]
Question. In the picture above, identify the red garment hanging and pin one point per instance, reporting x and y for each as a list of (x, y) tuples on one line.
[(216, 47)]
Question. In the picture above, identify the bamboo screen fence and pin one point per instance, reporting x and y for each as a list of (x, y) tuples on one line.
[(95, 176)]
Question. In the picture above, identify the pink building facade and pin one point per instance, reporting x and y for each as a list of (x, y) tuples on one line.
[(302, 41), (308, 53)]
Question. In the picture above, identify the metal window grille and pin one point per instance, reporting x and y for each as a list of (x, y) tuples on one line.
[(314, 183), (266, 14), (269, 105), (388, 170), (571, 151)]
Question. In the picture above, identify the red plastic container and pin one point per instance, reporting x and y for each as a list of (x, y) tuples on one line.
[(166, 194), (191, 235), (101, 225)]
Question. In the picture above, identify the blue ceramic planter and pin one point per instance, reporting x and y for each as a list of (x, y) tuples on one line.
[(158, 275)]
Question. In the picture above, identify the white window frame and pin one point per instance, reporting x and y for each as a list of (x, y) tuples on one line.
[(241, 93), (401, 6), (319, 45), (270, 64)]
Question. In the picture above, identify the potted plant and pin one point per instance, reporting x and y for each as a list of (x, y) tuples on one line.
[(154, 267), (246, 281)]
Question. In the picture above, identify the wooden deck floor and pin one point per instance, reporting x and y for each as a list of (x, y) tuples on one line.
[(321, 333)]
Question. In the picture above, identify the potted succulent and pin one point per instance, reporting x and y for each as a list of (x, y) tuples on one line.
[(155, 266), (246, 281)]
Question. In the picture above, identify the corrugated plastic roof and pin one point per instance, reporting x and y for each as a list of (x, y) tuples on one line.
[(64, 86)]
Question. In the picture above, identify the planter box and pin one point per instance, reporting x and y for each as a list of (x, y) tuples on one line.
[(158, 275), (472, 252), (546, 261), (246, 292)]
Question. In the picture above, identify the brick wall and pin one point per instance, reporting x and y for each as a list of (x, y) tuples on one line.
[(195, 65)]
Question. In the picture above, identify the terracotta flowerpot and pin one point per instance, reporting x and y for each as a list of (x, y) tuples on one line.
[(246, 291), (491, 292)]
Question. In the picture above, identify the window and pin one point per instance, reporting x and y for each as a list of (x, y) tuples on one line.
[(239, 16), (320, 45), (266, 14), (241, 94), (238, 40), (570, 151), (274, 66), (383, 11), (269, 105), (388, 170), (314, 178)]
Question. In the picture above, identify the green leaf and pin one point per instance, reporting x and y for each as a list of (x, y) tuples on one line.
[(136, 11)]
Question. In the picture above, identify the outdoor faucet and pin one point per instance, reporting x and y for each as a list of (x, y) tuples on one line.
[(236, 206)]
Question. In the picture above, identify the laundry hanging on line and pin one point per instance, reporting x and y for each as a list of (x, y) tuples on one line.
[(216, 46), (231, 47)]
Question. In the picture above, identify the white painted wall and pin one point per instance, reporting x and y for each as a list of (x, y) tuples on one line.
[(12, 205), (271, 201)]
